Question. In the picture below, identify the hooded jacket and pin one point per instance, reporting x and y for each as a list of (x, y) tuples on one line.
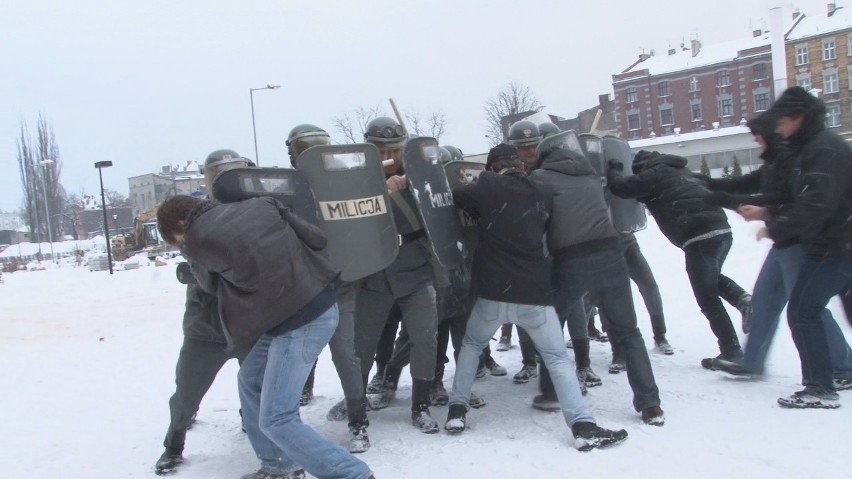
[(267, 264), (580, 221), (683, 208), (822, 182)]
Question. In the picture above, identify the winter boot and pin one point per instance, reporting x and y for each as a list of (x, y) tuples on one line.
[(358, 439), (388, 390), (546, 402), (588, 378), (437, 394), (505, 343), (337, 412), (261, 474), (493, 368), (588, 436), (653, 416), (476, 402), (842, 384), (810, 398), (456, 419), (525, 374), (420, 416), (662, 346), (375, 385), (168, 462), (585, 375)]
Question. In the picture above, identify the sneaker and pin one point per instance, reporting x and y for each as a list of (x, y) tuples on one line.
[(307, 397), (525, 374), (337, 412), (505, 344), (358, 439), (456, 419), (744, 308), (382, 399), (714, 363), (596, 335), (842, 384), (481, 372), (376, 384), (588, 377), (588, 436), (809, 399), (617, 366), (653, 416), (168, 462), (663, 347), (729, 367), (476, 402), (437, 394), (494, 369), (546, 402), (261, 474), (421, 419)]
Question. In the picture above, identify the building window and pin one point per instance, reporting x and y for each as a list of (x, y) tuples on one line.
[(632, 97), (666, 115), (760, 72), (830, 82), (832, 116), (693, 83), (664, 88), (802, 54), (633, 120), (805, 82), (695, 108), (849, 45), (829, 49), (849, 75), (723, 78), (726, 106), (761, 101)]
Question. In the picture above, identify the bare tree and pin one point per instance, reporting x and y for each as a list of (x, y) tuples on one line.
[(514, 98), (49, 166), (115, 199), (29, 185), (432, 125), (351, 126), (39, 165)]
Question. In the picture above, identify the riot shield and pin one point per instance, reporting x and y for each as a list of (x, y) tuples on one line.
[(290, 187), (566, 139), (593, 151), (460, 173), (628, 215), (349, 186), (429, 186)]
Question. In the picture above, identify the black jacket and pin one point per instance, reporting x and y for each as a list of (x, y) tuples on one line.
[(510, 263), (267, 264), (682, 206), (580, 221)]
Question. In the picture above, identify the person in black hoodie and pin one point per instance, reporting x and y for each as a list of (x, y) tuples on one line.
[(511, 280), (819, 218), (587, 257), (687, 214)]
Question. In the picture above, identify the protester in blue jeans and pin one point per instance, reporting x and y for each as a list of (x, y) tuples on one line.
[(771, 186), (275, 290), (819, 218), (511, 280)]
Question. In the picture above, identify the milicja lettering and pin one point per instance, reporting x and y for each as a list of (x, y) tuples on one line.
[(351, 209)]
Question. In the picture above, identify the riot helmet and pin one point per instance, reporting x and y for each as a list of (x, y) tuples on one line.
[(219, 161), (446, 157), (523, 132), (302, 137), (455, 153), (547, 128), (384, 131)]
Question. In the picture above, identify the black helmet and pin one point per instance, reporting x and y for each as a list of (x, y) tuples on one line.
[(304, 136), (219, 161), (384, 130), (523, 132), (455, 153), (547, 128), (446, 156)]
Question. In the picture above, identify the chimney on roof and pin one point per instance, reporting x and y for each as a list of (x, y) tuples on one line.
[(672, 51), (696, 47), (796, 14), (832, 7), (757, 33), (643, 56)]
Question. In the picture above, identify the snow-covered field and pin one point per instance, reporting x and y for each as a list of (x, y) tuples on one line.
[(88, 367)]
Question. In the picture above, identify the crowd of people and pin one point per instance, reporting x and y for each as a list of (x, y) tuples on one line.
[(261, 287)]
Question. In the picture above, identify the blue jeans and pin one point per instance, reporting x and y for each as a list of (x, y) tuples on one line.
[(270, 383), (704, 260), (541, 324), (603, 274), (819, 279), (771, 291)]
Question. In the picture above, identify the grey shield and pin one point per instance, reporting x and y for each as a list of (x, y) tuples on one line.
[(428, 183), (460, 173), (567, 139), (290, 187), (593, 151), (349, 186), (628, 215)]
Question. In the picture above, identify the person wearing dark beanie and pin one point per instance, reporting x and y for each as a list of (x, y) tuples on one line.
[(500, 155)]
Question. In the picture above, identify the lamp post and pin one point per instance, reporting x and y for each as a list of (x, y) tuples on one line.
[(100, 165), (253, 129), (46, 207)]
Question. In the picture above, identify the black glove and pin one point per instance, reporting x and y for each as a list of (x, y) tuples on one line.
[(725, 200), (184, 274), (615, 165)]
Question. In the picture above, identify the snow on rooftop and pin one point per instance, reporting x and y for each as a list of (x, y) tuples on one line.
[(821, 24), (697, 135)]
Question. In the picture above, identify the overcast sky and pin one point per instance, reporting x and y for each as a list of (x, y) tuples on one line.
[(150, 83)]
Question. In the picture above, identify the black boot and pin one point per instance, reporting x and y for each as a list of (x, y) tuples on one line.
[(358, 423), (169, 461), (388, 391), (456, 419), (375, 384), (420, 416)]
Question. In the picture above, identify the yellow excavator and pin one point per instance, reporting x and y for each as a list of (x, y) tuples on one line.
[(145, 238)]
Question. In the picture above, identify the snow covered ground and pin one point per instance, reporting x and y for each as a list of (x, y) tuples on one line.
[(88, 367)]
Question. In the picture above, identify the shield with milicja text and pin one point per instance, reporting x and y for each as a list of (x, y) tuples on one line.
[(290, 187)]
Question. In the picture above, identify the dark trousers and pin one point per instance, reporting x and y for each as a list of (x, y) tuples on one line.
[(819, 279), (641, 274), (704, 260), (197, 366)]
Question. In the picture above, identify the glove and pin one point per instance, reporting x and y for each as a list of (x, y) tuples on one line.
[(725, 200), (184, 274), (615, 165)]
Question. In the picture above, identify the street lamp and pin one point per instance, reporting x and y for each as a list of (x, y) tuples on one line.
[(100, 165), (46, 208), (253, 129)]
